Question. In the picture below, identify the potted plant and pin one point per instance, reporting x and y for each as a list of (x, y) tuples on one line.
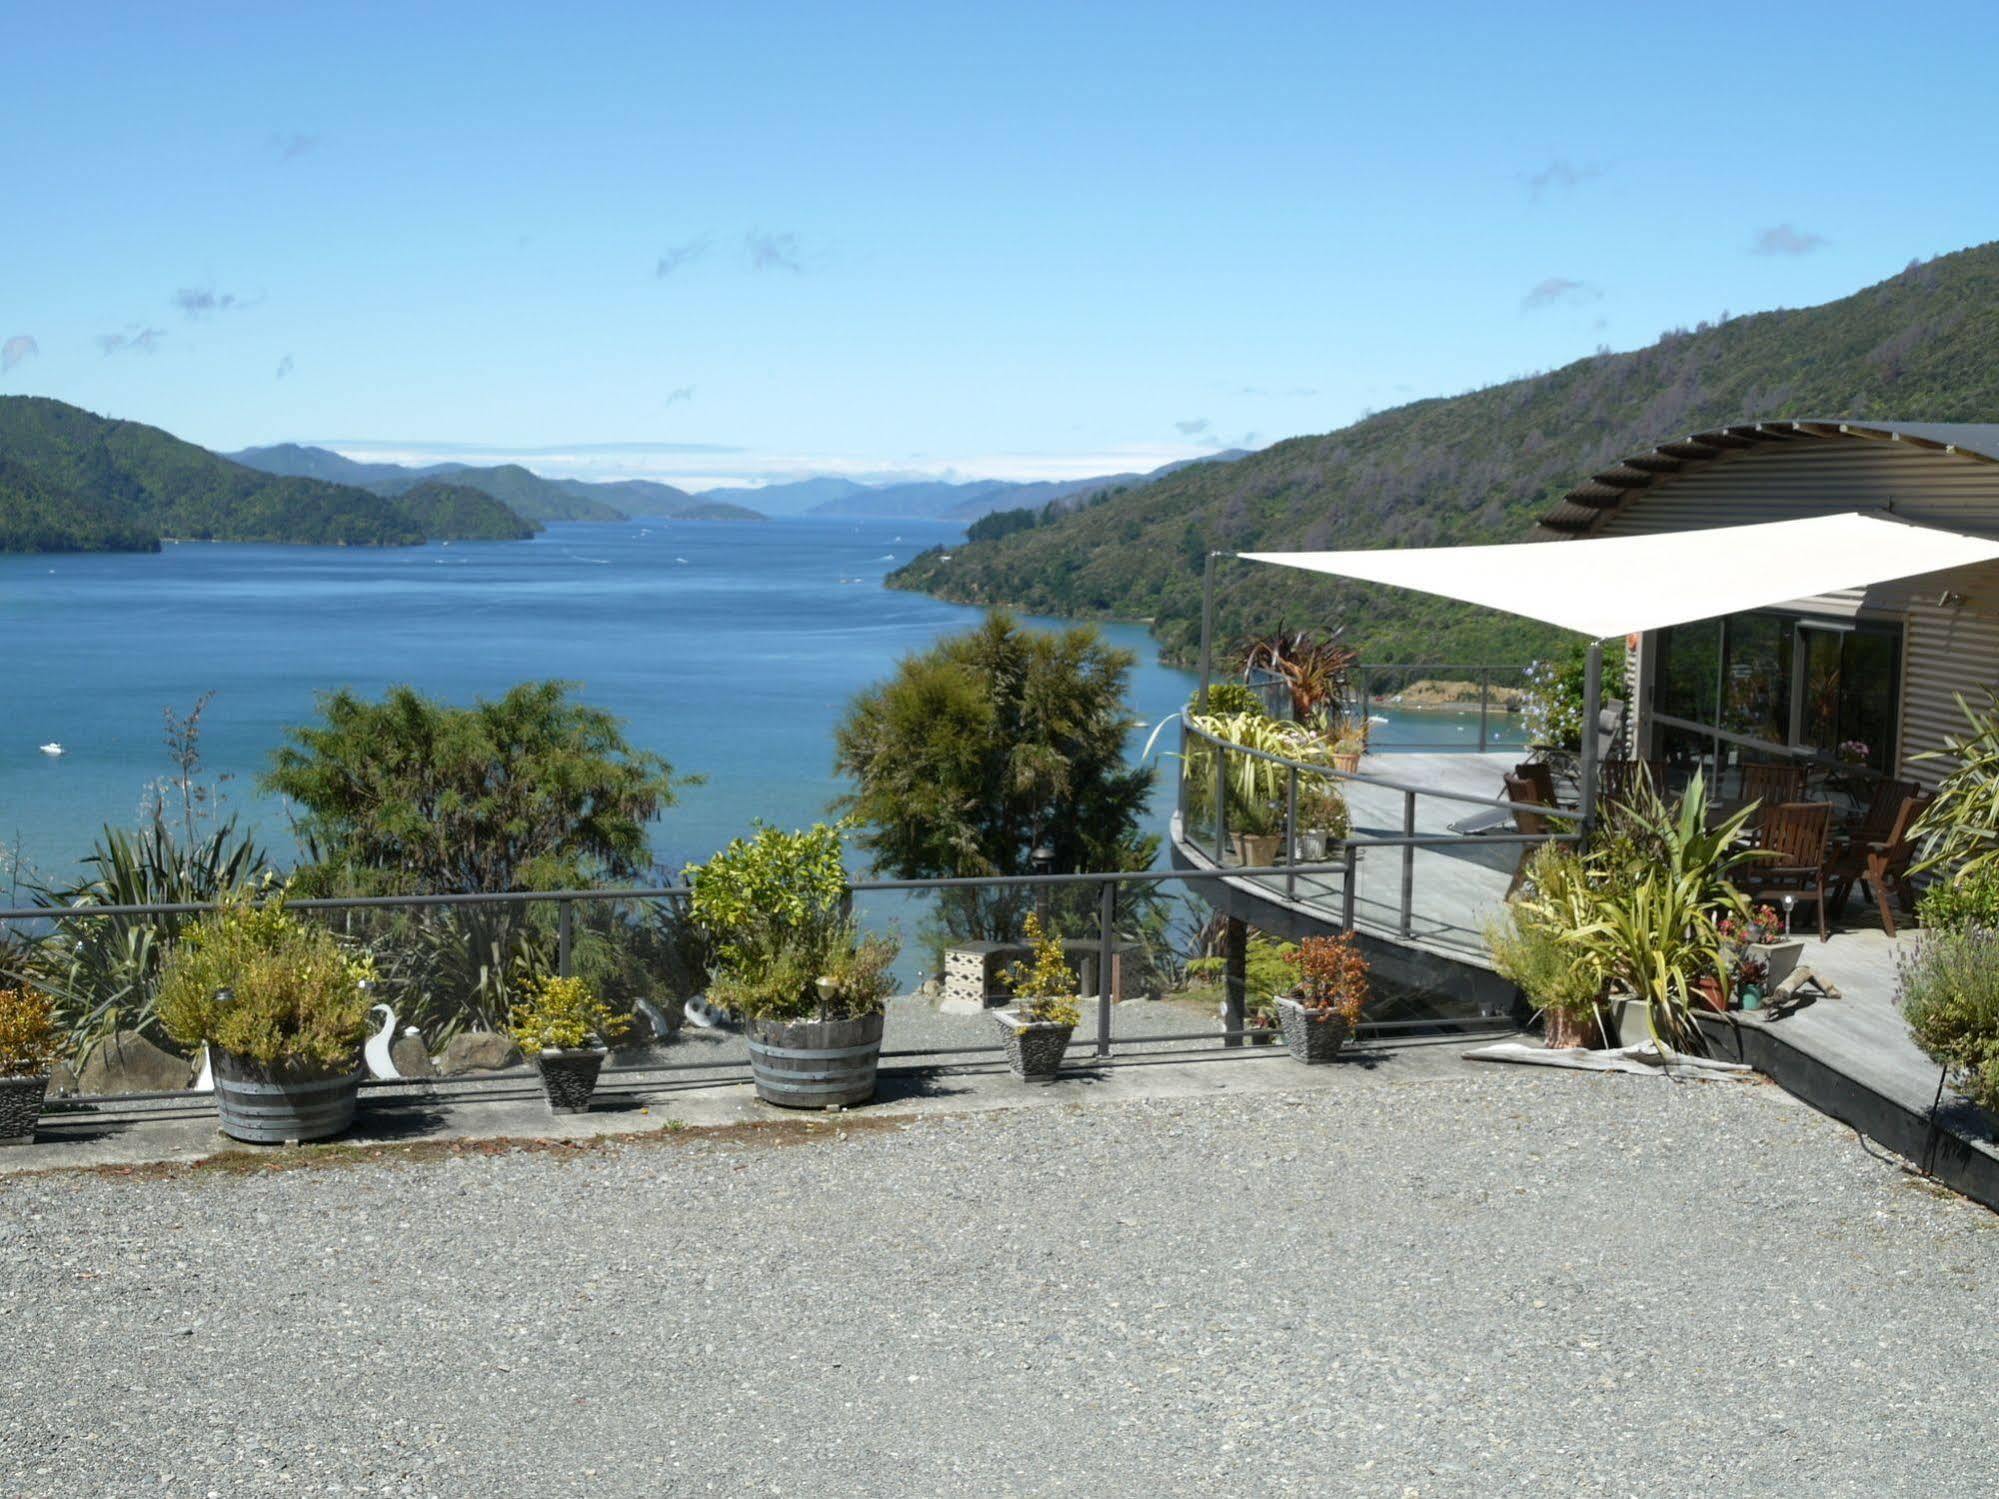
[(282, 1008), (1349, 743), (809, 989), (568, 1030), (1320, 1013), (1259, 831), (1043, 1016), (1532, 945), (1323, 818), (1759, 937), (30, 1042)]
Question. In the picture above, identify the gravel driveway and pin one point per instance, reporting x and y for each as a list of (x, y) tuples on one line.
[(1500, 1283)]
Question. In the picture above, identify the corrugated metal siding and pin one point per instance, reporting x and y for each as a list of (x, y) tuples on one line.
[(1945, 651), (1813, 476)]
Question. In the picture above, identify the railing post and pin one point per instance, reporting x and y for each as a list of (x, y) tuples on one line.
[(1235, 978), (564, 935), (1290, 832), (1484, 703), (1347, 892), (1408, 862), (1221, 801), (1106, 963)]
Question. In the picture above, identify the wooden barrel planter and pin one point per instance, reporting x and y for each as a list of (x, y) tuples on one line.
[(814, 1064), (263, 1107)]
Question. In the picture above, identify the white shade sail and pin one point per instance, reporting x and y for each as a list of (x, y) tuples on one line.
[(1621, 585)]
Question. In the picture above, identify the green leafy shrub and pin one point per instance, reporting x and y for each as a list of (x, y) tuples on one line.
[(1332, 978), (1267, 973), (1948, 991), (1235, 698), (1969, 901), (30, 1038), (254, 980), (1533, 945), (773, 906), (563, 1014), (1044, 989), (1960, 829)]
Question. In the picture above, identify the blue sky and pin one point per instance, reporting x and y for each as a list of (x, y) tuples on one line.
[(732, 242)]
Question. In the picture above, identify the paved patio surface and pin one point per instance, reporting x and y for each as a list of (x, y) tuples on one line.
[(1415, 1276)]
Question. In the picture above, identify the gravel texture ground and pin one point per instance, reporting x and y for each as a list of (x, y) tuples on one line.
[(1492, 1283)]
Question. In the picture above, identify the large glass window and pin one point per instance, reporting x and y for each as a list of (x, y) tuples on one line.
[(1780, 678)]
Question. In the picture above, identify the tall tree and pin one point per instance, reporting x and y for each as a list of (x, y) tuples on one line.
[(533, 790), (989, 745)]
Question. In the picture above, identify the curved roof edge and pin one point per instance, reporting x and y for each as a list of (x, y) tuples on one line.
[(1583, 507)]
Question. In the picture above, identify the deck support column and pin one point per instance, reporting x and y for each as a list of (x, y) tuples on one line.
[(1235, 976), (1592, 712), (1207, 631)]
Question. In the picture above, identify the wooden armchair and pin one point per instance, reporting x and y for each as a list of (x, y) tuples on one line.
[(1541, 776), (1525, 796), (1617, 779), (1799, 836), (1881, 863)]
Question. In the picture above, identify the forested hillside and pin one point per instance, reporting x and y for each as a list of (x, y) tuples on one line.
[(74, 481), (1923, 345)]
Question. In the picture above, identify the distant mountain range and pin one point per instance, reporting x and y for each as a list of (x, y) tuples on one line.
[(527, 494), (72, 481), (930, 499)]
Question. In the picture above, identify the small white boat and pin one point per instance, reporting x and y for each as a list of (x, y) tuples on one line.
[(52, 748)]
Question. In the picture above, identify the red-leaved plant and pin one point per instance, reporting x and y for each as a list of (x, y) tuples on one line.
[(1332, 978)]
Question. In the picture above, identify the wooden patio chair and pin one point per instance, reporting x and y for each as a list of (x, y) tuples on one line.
[(1541, 776), (1772, 782), (1525, 796), (1881, 864), (1617, 779), (1798, 836)]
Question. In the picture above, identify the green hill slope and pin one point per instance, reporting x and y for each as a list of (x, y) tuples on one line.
[(527, 494), (1923, 345), (73, 481), (456, 512)]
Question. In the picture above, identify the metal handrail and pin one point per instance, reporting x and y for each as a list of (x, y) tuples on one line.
[(1469, 798)]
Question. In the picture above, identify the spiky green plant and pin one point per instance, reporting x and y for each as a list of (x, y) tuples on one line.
[(1959, 831)]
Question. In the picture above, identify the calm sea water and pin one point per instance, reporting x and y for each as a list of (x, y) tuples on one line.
[(730, 649)]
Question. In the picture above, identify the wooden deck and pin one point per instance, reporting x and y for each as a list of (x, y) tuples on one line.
[(1850, 1056)]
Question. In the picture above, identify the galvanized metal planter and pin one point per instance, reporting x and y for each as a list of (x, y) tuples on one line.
[(1309, 1039), (814, 1064), (20, 1108), (263, 1106), (1034, 1048), (569, 1078)]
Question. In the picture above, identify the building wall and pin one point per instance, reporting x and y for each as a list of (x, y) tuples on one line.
[(1948, 648)]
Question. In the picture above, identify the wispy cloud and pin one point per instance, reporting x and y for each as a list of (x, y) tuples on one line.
[(1561, 174), (290, 145), (773, 252), (675, 256), (285, 367), (678, 394), (1558, 290), (137, 338), (199, 301), (20, 346), (1192, 427), (1783, 239)]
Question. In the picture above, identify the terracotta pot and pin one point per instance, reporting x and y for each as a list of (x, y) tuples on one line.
[(1561, 1031), (1348, 763), (1707, 995)]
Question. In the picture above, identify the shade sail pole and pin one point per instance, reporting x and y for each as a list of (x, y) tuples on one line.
[(1207, 630), (1592, 715)]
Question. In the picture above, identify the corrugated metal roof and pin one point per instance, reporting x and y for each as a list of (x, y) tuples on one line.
[(1583, 507)]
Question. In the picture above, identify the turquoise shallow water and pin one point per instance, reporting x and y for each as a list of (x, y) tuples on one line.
[(730, 649)]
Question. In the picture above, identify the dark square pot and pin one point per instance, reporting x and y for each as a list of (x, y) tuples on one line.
[(1308, 1039), (1034, 1048), (569, 1078), (20, 1108)]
